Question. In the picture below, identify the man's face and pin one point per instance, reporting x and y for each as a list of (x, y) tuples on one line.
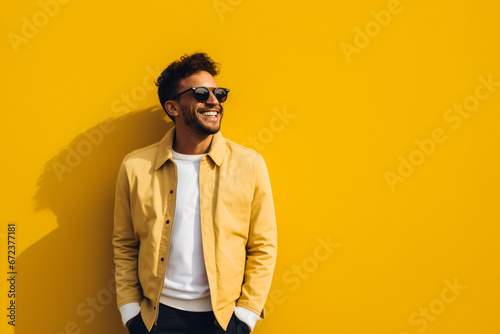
[(192, 110)]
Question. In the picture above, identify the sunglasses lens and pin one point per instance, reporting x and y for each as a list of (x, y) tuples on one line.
[(202, 94), (220, 94)]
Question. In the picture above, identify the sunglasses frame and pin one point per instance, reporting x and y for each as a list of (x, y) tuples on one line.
[(195, 88)]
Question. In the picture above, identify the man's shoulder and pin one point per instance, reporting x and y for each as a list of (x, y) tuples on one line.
[(242, 151), (146, 154)]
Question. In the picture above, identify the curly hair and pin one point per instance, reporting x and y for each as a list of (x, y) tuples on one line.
[(168, 81)]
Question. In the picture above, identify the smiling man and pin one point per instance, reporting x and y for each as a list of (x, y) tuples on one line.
[(194, 226)]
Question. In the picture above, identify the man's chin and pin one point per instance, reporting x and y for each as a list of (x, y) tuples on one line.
[(208, 130)]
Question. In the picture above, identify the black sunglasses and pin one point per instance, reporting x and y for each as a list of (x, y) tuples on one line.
[(203, 93)]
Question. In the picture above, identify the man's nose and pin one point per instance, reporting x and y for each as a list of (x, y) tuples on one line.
[(211, 98)]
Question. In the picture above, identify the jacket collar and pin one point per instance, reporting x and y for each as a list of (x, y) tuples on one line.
[(216, 152)]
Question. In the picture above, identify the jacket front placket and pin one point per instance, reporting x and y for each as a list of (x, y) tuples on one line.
[(208, 193), (167, 183)]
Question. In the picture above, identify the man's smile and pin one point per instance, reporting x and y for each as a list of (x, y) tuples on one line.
[(210, 113)]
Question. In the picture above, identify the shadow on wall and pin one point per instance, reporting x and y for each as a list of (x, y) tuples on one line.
[(66, 280)]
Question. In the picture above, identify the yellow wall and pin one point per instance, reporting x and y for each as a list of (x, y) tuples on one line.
[(378, 121)]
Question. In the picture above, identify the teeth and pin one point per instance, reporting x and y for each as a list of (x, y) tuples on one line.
[(209, 113)]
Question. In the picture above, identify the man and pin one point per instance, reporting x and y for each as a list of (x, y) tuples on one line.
[(195, 231)]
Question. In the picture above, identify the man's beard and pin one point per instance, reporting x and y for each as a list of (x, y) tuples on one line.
[(199, 128)]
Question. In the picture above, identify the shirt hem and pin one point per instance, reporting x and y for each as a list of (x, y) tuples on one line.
[(193, 305)]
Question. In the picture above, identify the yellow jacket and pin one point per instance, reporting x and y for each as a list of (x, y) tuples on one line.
[(238, 226)]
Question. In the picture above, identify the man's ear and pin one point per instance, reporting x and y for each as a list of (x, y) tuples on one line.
[(172, 108)]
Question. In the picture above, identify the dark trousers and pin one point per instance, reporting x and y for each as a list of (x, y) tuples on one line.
[(174, 321)]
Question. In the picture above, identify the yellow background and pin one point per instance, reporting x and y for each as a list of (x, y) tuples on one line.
[(348, 120)]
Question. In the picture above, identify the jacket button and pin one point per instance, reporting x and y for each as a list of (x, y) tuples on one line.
[(168, 221), (171, 191), (162, 259)]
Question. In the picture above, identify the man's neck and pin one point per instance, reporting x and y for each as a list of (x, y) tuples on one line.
[(187, 143)]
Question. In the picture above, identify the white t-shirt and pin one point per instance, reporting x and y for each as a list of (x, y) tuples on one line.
[(186, 284)]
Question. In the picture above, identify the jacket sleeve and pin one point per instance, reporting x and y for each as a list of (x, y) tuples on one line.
[(261, 246), (125, 244)]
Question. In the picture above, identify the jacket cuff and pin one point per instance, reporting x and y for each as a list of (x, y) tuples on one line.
[(247, 316), (129, 311)]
